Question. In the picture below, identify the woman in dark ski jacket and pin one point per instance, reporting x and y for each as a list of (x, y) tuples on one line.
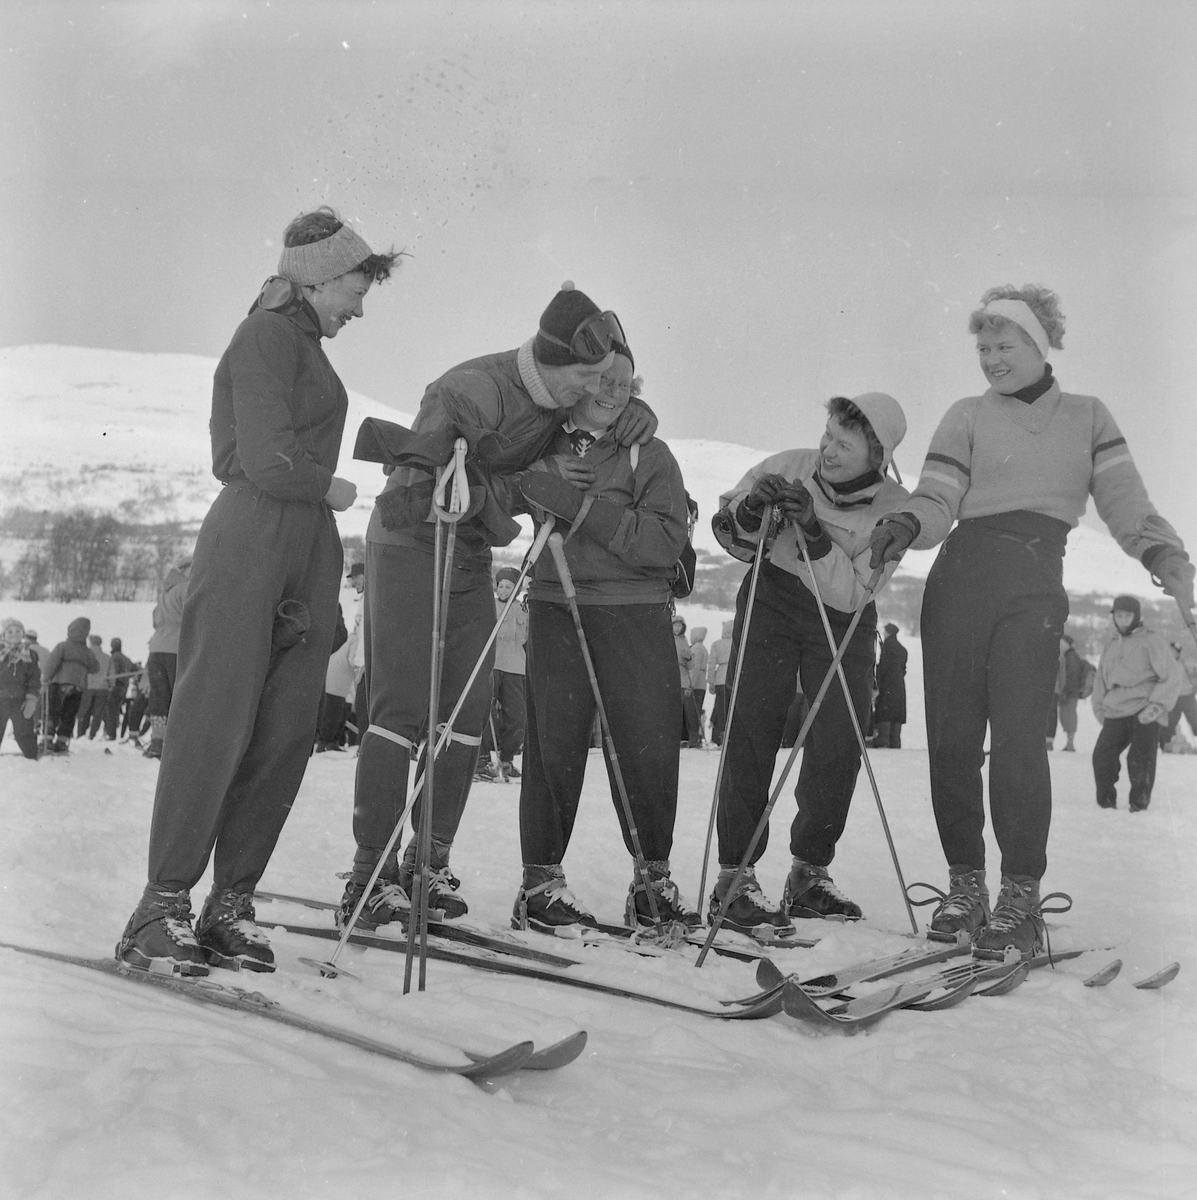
[(621, 555)]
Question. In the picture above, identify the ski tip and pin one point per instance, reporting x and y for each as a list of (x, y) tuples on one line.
[(1160, 978), (768, 974), (1102, 977)]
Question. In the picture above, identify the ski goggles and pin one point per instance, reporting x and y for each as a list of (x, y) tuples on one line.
[(593, 339)]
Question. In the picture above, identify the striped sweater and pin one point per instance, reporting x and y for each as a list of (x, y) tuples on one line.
[(994, 454)]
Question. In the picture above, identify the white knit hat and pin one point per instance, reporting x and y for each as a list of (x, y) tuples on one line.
[(888, 420), (318, 262)]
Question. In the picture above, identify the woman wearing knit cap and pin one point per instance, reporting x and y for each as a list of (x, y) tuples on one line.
[(1138, 681), (261, 609), (626, 536), (835, 495), (1014, 469), (509, 407)]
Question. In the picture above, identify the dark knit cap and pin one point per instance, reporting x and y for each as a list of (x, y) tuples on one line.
[(1128, 604), (566, 311), (509, 573)]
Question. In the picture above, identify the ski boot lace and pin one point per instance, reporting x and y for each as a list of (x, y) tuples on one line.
[(955, 902), (1007, 916), (388, 895)]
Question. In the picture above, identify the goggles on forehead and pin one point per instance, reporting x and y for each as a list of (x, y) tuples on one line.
[(593, 339)]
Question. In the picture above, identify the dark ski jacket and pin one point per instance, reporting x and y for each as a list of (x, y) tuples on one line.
[(19, 675), (891, 682), (278, 407), (71, 662)]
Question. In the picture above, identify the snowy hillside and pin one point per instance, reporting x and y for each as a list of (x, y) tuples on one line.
[(128, 432)]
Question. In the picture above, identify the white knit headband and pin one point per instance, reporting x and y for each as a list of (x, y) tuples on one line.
[(1019, 311), (318, 262)]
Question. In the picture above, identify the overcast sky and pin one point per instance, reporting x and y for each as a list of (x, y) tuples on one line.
[(782, 201)]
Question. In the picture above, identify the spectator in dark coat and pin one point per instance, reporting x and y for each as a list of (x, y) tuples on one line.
[(65, 674), (889, 709), (20, 686), (122, 672)]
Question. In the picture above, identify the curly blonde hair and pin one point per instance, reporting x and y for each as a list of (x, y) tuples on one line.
[(1042, 301)]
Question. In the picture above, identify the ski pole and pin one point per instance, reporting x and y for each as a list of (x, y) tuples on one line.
[(444, 543), (329, 968), (766, 526), (799, 741), (557, 550), (864, 752)]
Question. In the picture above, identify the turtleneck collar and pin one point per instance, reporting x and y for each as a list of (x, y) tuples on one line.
[(1033, 391), (840, 493)]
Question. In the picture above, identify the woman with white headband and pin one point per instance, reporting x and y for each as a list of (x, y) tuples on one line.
[(1014, 469)]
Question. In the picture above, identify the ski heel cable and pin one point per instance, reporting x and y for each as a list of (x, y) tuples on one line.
[(1065, 906), (767, 526), (557, 550), (762, 824), (330, 967), (864, 752)]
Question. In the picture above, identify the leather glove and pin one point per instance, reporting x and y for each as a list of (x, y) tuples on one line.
[(553, 494), (29, 707), (636, 424), (1153, 713), (769, 489), (797, 506), (1171, 570), (891, 537)]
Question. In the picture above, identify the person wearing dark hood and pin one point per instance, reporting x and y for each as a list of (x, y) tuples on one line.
[(889, 709), (1138, 681), (1007, 477), (509, 407), (122, 672), (835, 495), (65, 675), (261, 608), (20, 686)]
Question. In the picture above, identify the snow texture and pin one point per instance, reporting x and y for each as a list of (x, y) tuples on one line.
[(1054, 1091)]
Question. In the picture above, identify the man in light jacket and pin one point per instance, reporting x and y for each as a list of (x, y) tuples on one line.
[(1138, 681)]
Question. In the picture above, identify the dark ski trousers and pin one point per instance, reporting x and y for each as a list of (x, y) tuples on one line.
[(719, 713), (62, 705), (330, 723), (243, 714), (786, 639), (993, 611), (398, 631), (1118, 733), (636, 666), (113, 708), (508, 716), (91, 712), (161, 668), (22, 726)]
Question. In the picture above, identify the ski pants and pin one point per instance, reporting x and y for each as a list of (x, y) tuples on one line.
[(112, 710), (719, 713), (1117, 734), (22, 726), (62, 705), (1063, 709), (162, 668), (331, 721), (90, 716), (508, 714), (1185, 707), (635, 664), (398, 631), (243, 714), (786, 639), (993, 611)]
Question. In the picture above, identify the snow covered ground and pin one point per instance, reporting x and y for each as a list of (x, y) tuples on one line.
[(1055, 1091)]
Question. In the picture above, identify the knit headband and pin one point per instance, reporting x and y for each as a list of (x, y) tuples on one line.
[(318, 262), (1019, 311)]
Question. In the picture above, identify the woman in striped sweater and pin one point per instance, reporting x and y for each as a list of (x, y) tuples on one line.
[(1013, 468)]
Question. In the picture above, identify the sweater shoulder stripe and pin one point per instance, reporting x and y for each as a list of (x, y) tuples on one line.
[(951, 462), (1118, 441)]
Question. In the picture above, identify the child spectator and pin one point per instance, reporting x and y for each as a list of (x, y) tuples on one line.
[(20, 686)]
